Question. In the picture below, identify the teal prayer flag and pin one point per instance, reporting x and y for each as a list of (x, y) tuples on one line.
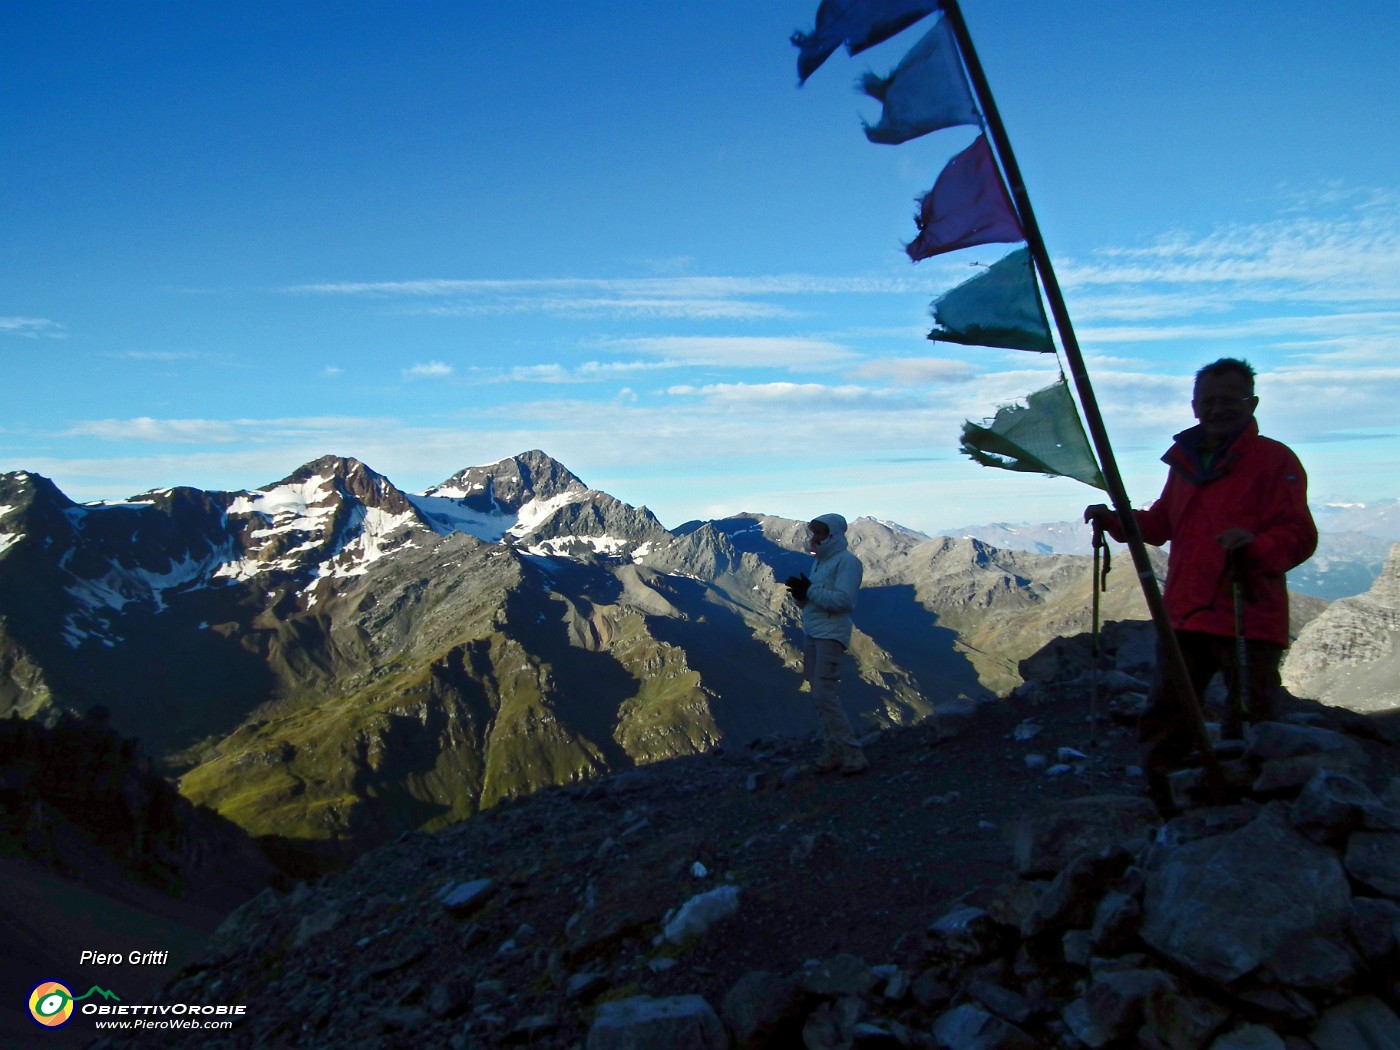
[(1001, 306), (1043, 436)]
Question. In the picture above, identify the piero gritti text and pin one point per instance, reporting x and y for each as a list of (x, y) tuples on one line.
[(132, 958)]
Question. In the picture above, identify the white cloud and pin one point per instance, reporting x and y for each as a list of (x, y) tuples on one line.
[(916, 371), (791, 395), (698, 298), (161, 355), (32, 328), (168, 431), (219, 431), (588, 372), (428, 370), (793, 353), (1340, 257)]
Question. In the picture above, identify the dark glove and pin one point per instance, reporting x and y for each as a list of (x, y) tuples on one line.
[(797, 586), (1098, 515)]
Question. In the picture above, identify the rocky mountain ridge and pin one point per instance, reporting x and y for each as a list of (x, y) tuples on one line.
[(996, 883), (1351, 652), (329, 658)]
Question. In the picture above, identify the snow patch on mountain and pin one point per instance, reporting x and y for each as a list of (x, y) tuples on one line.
[(369, 530), (446, 513), (289, 507)]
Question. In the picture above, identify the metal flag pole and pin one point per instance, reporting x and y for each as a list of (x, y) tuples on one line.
[(1113, 481)]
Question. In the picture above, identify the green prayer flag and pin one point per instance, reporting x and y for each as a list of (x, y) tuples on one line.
[(999, 307), (1043, 436)]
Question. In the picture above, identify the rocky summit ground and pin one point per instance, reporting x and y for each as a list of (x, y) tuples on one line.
[(512, 927)]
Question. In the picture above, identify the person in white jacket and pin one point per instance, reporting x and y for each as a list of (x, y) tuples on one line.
[(826, 600)]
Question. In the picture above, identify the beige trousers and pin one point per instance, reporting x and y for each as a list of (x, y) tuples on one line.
[(821, 666)]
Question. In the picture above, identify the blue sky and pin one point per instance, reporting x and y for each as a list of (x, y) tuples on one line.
[(238, 236)]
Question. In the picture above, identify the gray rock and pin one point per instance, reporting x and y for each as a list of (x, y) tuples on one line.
[(697, 915), (839, 976), (1180, 1022), (1117, 919), (681, 1022), (1072, 895), (450, 998), (1373, 859), (930, 990), (1078, 947), (1374, 926), (760, 1008), (1287, 774), (969, 1027), (1249, 1037), (1205, 823), (316, 926), (1362, 1023), (1050, 838), (954, 716), (1284, 1005), (403, 1019), (964, 935), (1390, 795), (1330, 805), (868, 1036), (1313, 964), (1000, 1000), (831, 1025), (463, 898), (1113, 1005), (1279, 741), (584, 987), (1222, 906)]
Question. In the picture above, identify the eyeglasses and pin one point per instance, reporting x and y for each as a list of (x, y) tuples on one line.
[(1209, 403)]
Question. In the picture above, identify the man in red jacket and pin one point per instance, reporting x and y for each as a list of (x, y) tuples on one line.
[(1235, 510)]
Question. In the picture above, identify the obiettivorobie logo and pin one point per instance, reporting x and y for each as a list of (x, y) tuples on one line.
[(51, 1003)]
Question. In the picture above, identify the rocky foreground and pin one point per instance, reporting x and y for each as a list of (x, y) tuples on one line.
[(996, 881)]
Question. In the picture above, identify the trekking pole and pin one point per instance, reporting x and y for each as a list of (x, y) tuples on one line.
[(1237, 594), (1100, 582)]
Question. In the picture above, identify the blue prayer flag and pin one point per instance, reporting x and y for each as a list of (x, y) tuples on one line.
[(927, 91), (856, 23)]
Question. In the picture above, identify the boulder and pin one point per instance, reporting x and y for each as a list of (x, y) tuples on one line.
[(1222, 906), (762, 1009), (1373, 859), (1047, 840), (1362, 1023), (969, 1027), (680, 1022)]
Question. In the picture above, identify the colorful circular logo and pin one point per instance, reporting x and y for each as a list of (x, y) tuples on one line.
[(50, 1004)]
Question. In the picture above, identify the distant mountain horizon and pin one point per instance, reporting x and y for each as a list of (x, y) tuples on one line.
[(330, 657), (1354, 540)]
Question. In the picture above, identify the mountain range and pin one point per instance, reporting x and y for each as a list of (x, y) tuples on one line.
[(1354, 540), (329, 658)]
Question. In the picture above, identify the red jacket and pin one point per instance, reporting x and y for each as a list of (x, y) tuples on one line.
[(1256, 484)]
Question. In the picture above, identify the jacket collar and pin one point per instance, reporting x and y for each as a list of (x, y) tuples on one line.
[(1189, 455)]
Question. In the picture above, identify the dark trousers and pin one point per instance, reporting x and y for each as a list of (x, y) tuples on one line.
[(1165, 729)]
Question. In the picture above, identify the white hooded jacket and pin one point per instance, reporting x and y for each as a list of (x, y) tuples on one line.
[(836, 577)]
